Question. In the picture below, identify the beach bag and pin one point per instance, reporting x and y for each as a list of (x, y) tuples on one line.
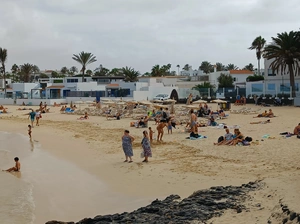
[(220, 139), (246, 142), (142, 154), (248, 139)]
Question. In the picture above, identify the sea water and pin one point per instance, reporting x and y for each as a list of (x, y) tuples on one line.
[(49, 188)]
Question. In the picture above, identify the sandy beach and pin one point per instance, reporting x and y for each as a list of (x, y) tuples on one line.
[(178, 166)]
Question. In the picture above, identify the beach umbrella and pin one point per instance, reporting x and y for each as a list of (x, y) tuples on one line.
[(158, 101), (109, 102), (191, 106), (219, 101), (158, 106), (199, 101), (145, 102), (170, 101)]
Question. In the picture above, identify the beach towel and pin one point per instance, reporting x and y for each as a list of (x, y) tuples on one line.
[(200, 137)]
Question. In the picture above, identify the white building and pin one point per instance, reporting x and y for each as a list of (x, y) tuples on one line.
[(276, 83)]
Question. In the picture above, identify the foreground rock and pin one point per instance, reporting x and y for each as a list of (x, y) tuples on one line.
[(199, 207)]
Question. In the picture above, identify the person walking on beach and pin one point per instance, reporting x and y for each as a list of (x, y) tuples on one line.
[(127, 146), (17, 166), (32, 115), (146, 147), (29, 131)]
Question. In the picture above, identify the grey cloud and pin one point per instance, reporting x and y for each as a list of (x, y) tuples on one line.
[(140, 33)]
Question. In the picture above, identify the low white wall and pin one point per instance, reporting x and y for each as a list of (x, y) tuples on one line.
[(36, 102), (6, 101), (141, 95)]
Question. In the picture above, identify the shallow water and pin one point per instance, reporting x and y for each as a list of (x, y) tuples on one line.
[(16, 193), (49, 188)]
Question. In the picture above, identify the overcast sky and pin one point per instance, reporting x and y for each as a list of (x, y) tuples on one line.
[(140, 33)]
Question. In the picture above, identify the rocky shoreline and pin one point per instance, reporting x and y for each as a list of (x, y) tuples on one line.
[(197, 208)]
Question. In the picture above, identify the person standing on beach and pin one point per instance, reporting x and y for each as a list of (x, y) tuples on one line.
[(17, 166), (151, 132), (160, 129), (37, 117), (127, 146), (29, 131), (32, 115), (146, 147)]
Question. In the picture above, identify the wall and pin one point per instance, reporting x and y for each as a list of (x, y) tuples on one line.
[(6, 101), (36, 102)]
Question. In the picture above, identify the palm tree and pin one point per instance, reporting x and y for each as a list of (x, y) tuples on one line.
[(231, 67), (64, 70), (285, 49), (186, 67), (206, 67), (3, 59), (89, 72), (115, 72), (130, 74), (169, 67), (26, 71), (220, 67), (84, 59), (258, 44), (249, 67), (225, 81), (178, 66), (14, 69), (158, 71), (73, 70)]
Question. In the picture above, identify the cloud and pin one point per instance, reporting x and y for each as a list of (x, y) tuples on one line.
[(140, 33)]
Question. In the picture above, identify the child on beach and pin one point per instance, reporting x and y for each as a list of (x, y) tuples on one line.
[(29, 131), (127, 146), (151, 132), (169, 127), (17, 166)]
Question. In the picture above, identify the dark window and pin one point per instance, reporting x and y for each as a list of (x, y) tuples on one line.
[(271, 72)]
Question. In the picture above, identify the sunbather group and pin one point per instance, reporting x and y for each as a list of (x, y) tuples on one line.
[(269, 114), (3, 109), (231, 139)]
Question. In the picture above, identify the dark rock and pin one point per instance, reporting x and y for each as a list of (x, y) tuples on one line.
[(293, 215), (284, 220), (199, 207)]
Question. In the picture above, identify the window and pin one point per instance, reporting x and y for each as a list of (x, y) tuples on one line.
[(271, 86), (271, 73), (287, 88), (258, 88), (72, 80), (234, 79)]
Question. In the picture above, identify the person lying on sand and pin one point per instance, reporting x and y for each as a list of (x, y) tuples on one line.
[(2, 107), (17, 166), (4, 111), (117, 116), (297, 130), (264, 114), (261, 122), (270, 114), (85, 117)]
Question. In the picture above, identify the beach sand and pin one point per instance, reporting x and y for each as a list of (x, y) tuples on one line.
[(179, 165)]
